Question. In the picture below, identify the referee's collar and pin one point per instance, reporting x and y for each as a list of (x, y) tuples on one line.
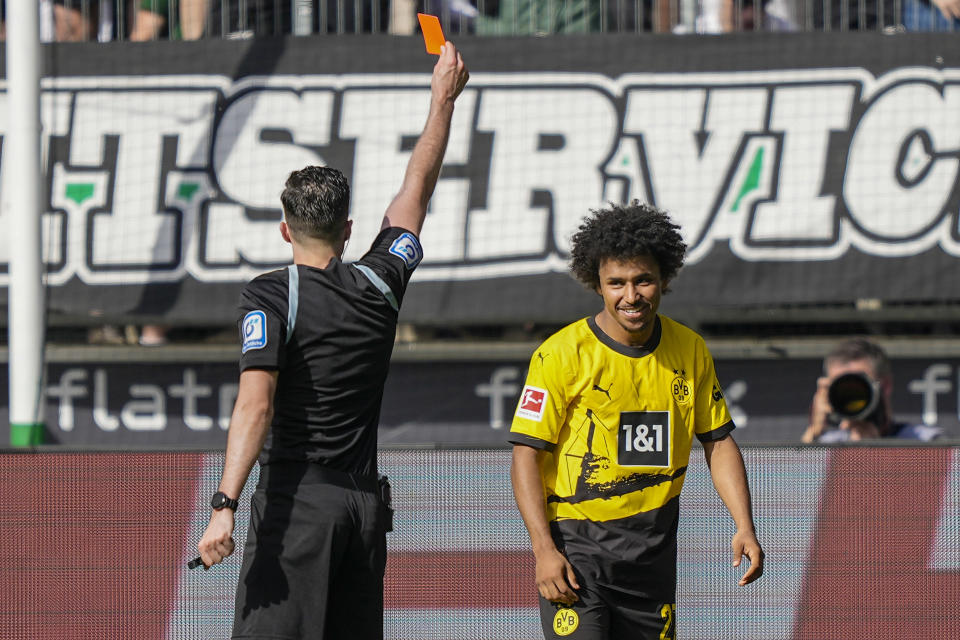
[(633, 352)]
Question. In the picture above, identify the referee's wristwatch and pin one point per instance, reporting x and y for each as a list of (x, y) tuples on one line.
[(221, 501)]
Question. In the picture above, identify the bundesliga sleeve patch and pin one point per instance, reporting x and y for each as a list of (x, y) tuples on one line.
[(253, 331), (532, 402), (407, 248)]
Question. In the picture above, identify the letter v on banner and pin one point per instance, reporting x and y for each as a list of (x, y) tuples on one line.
[(869, 570)]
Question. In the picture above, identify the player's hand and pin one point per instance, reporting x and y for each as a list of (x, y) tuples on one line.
[(450, 75), (555, 578), (819, 411), (949, 8), (217, 541), (745, 543)]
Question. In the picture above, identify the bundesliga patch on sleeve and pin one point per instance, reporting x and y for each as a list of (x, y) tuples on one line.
[(407, 248), (532, 402), (253, 331)]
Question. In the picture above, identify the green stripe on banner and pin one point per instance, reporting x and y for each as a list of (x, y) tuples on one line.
[(26, 434)]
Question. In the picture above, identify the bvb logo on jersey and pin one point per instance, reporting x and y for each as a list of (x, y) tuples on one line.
[(680, 389), (565, 622)]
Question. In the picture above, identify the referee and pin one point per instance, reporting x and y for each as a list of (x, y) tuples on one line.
[(316, 344)]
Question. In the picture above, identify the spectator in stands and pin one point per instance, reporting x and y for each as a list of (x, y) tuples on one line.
[(524, 17), (859, 355), (73, 21), (258, 18), (931, 15), (196, 18), (457, 16), (83, 20), (725, 16), (151, 19), (751, 15), (852, 15)]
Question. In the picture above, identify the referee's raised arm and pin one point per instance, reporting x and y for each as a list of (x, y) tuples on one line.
[(409, 206)]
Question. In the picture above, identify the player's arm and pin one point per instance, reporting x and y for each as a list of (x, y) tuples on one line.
[(249, 424), (554, 574), (409, 206), (730, 479)]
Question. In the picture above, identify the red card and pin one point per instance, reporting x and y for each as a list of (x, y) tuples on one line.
[(432, 33)]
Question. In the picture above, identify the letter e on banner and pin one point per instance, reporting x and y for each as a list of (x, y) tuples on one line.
[(532, 402)]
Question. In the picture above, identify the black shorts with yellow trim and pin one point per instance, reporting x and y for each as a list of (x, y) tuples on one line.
[(626, 570), (608, 615)]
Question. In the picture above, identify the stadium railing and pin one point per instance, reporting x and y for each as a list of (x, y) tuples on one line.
[(174, 19)]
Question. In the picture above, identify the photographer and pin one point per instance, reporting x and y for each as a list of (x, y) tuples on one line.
[(850, 408)]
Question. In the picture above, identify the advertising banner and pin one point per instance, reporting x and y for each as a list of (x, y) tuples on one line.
[(804, 169), (188, 404), (99, 545)]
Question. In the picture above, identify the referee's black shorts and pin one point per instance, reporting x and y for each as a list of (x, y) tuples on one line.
[(314, 559)]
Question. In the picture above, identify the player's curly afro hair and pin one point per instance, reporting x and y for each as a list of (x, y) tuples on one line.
[(623, 233)]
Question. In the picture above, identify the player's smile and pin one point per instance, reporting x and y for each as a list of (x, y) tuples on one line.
[(631, 291), (633, 312)]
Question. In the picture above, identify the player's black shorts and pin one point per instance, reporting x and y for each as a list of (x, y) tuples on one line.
[(626, 570), (314, 559), (603, 614)]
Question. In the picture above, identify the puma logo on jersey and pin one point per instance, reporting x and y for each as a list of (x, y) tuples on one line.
[(606, 391)]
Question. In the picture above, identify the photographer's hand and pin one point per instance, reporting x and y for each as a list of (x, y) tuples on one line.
[(860, 430), (819, 410)]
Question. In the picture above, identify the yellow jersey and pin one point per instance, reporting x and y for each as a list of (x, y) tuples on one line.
[(619, 420)]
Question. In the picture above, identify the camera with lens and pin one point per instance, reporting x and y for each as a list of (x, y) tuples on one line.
[(855, 396)]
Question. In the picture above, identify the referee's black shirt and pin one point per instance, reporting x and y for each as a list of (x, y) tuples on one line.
[(329, 332)]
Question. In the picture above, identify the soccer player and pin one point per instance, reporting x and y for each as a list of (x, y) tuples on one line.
[(316, 344), (602, 437)]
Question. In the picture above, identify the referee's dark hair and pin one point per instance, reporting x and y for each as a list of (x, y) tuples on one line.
[(625, 232), (316, 202)]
